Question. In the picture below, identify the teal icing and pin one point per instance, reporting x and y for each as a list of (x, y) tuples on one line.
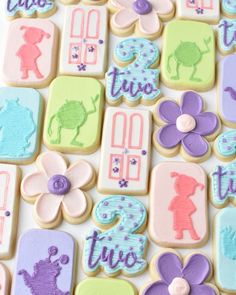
[(226, 37), (129, 215), (132, 79), (226, 143), (13, 7), (229, 7), (20, 112), (225, 249)]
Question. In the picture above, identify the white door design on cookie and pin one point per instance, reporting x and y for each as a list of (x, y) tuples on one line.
[(125, 152), (200, 4), (8, 208), (84, 41)]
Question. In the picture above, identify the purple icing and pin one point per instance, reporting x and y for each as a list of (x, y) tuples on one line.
[(227, 89), (59, 185), (26, 4), (142, 7), (169, 267), (193, 142), (7, 213), (226, 26)]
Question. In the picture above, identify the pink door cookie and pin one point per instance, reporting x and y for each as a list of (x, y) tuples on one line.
[(31, 59), (178, 200)]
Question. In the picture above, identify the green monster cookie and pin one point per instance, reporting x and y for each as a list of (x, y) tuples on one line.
[(188, 60), (74, 115), (97, 286)]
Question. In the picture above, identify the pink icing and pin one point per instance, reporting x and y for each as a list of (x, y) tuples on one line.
[(179, 286), (185, 123)]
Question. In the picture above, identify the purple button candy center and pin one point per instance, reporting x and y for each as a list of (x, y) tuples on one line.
[(59, 185), (142, 7)]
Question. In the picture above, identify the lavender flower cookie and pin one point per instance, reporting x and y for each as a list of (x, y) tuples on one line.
[(185, 128), (172, 277)]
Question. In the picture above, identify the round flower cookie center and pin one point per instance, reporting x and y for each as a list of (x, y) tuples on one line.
[(179, 286), (185, 123), (59, 185), (142, 7)]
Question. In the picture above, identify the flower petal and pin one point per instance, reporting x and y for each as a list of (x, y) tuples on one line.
[(122, 3), (162, 7), (202, 289), (191, 103), (168, 111), (124, 18), (169, 267), (195, 145), (168, 136), (79, 174), (75, 203), (47, 208), (206, 123), (34, 184), (52, 163), (149, 23), (197, 269), (159, 288)]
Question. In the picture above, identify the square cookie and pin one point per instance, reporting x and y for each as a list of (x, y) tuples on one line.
[(125, 152), (188, 50), (84, 41), (30, 60), (74, 115), (201, 10), (224, 250), (20, 121), (9, 203), (45, 263), (182, 208)]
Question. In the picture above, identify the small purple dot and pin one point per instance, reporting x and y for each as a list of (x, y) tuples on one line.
[(229, 148), (117, 246), (126, 238), (105, 203), (224, 140), (121, 228), (104, 215), (130, 205), (144, 152), (7, 213), (109, 238), (131, 216), (120, 207), (122, 198), (131, 248), (100, 41)]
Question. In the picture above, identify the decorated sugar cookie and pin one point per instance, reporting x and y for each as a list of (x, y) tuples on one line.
[(30, 8), (74, 115), (4, 280), (136, 81), (225, 146), (58, 191), (227, 91), (229, 8), (185, 128), (143, 17), (125, 152), (31, 59), (224, 250), (201, 10), (20, 122), (119, 248), (174, 277), (188, 49), (182, 208), (223, 180), (226, 36), (84, 41), (95, 286), (9, 204), (45, 263)]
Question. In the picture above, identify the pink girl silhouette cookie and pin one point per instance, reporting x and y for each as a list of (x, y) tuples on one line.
[(182, 207), (30, 60)]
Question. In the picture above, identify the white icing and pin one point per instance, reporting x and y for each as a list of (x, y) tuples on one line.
[(185, 123), (179, 286)]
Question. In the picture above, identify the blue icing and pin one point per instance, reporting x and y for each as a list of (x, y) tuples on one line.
[(223, 184), (229, 6), (226, 35), (20, 111), (120, 241), (135, 81), (29, 7), (226, 144), (225, 249)]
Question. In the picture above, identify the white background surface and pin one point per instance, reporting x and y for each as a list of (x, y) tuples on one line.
[(80, 231)]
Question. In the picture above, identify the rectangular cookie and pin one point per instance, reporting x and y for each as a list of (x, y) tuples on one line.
[(125, 152)]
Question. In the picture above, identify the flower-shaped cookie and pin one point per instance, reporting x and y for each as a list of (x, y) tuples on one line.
[(57, 190), (185, 128), (141, 16), (172, 278)]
